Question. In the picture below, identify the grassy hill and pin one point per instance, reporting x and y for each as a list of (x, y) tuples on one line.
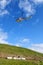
[(32, 57)]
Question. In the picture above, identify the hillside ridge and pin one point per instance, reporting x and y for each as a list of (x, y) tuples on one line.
[(9, 50)]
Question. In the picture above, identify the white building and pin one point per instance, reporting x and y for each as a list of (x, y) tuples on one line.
[(23, 58), (17, 58), (9, 57)]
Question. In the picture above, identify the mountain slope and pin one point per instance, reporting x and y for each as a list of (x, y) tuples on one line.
[(32, 58), (8, 50)]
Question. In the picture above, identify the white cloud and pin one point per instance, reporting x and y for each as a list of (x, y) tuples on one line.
[(18, 45), (27, 7), (3, 37), (38, 1), (4, 12), (23, 42), (26, 40), (3, 4), (37, 47)]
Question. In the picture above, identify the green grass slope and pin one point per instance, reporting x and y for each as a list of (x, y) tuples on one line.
[(32, 57), (19, 62)]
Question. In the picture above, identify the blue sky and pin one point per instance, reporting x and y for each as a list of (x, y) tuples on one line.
[(27, 33)]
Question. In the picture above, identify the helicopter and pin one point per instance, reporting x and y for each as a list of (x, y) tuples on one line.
[(21, 18)]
